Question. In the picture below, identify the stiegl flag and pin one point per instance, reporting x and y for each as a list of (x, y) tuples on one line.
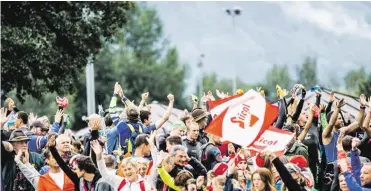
[(242, 119)]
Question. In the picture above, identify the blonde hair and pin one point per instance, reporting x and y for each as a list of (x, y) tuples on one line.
[(142, 161), (129, 161)]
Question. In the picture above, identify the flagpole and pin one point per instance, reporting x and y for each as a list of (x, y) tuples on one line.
[(233, 13)]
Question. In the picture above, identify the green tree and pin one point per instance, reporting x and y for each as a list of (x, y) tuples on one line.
[(277, 75), (45, 45), (353, 78), (133, 59), (364, 85), (307, 72), (212, 82)]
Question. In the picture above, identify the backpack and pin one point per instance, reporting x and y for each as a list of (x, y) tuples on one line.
[(203, 151), (133, 135), (123, 183)]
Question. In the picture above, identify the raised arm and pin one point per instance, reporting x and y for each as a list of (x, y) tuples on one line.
[(327, 132), (282, 112), (299, 107), (323, 119), (307, 125), (366, 123), (352, 127), (355, 161), (329, 105), (27, 169), (143, 101), (112, 180), (113, 106), (286, 177), (73, 177), (166, 116)]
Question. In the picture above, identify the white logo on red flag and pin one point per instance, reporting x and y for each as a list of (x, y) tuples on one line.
[(243, 119), (273, 140)]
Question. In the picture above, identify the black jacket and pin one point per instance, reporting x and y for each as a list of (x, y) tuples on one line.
[(195, 167)]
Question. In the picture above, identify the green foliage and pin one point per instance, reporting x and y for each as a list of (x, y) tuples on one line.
[(211, 82), (45, 45), (307, 72), (364, 85), (353, 78), (278, 75), (133, 58)]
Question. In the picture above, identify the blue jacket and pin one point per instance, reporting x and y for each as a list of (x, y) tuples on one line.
[(112, 139), (37, 143), (127, 135), (353, 180)]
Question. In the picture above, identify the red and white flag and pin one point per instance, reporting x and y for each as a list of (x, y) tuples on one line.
[(242, 119), (273, 140)]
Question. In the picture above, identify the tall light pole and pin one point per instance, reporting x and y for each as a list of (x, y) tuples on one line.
[(90, 89), (200, 83), (233, 13)]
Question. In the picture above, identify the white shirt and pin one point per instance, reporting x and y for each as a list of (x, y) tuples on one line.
[(115, 180), (58, 178)]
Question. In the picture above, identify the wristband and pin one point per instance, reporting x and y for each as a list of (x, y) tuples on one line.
[(363, 107)]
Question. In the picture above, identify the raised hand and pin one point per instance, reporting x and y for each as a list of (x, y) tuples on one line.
[(318, 93), (170, 97), (58, 116), (279, 91), (117, 88), (210, 95), (96, 148), (340, 103), (32, 118), (268, 155), (3, 117), (369, 102), (145, 96), (314, 109), (204, 98), (322, 107), (200, 181), (51, 141), (220, 94), (355, 143), (362, 100), (121, 93), (283, 93)]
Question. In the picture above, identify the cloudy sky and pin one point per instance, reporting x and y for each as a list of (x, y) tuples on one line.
[(338, 34)]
